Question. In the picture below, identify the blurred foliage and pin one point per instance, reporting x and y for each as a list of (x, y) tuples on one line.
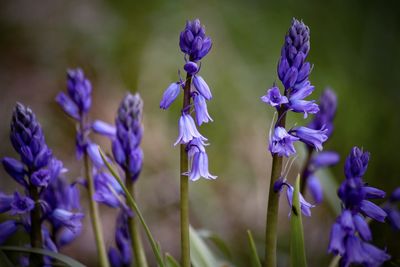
[(131, 45)]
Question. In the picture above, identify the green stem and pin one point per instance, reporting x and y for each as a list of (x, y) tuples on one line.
[(94, 214), (139, 255), (184, 185), (132, 204), (271, 233), (36, 228)]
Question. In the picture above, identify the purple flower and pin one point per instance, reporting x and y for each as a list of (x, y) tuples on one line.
[(199, 161), (191, 67), (281, 143), (356, 163), (200, 107), (202, 87), (193, 40), (104, 128), (274, 97), (315, 187), (7, 228), (71, 220), (21, 204), (311, 137), (187, 130), (40, 178), (170, 94), (305, 206), (327, 111), (126, 148), (303, 106), (5, 202), (122, 255)]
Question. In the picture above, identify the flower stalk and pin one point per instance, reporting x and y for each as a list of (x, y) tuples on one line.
[(137, 245), (184, 185)]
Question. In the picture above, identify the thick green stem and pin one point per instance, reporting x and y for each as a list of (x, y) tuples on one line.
[(271, 231), (184, 186), (94, 215), (137, 245), (36, 260)]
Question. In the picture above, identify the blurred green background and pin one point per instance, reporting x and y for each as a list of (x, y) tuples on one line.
[(133, 45)]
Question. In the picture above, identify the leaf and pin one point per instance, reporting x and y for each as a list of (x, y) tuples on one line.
[(133, 205), (297, 250), (170, 261), (255, 259), (200, 253), (60, 257), (218, 242)]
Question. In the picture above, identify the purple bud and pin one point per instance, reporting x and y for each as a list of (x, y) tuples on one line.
[(336, 243), (103, 128), (191, 67), (303, 106), (395, 196), (93, 151), (373, 211), (118, 152), (15, 169), (69, 107), (202, 87), (115, 258), (372, 192), (170, 94), (5, 202), (362, 227), (325, 159), (290, 78), (356, 163), (315, 188)]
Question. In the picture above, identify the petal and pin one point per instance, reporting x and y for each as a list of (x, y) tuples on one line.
[(373, 211), (103, 128)]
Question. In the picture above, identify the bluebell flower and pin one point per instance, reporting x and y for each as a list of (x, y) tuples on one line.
[(187, 130), (198, 161), (350, 233), (327, 111), (305, 206), (5, 202), (281, 142), (202, 87), (325, 159), (193, 41), (40, 178), (21, 204), (71, 220), (104, 128), (303, 106), (170, 94), (15, 169), (200, 107), (310, 136), (274, 97), (315, 188)]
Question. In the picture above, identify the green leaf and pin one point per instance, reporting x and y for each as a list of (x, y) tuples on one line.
[(297, 250), (170, 261), (133, 205), (200, 253), (255, 259), (60, 257), (217, 241)]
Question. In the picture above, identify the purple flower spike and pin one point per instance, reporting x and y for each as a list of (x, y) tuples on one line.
[(170, 94), (202, 87), (200, 107), (274, 97), (187, 130), (126, 147), (311, 137), (281, 143)]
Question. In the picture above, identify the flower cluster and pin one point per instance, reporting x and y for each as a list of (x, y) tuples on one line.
[(46, 191), (195, 45), (350, 234), (392, 209), (76, 104), (323, 119), (293, 71)]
